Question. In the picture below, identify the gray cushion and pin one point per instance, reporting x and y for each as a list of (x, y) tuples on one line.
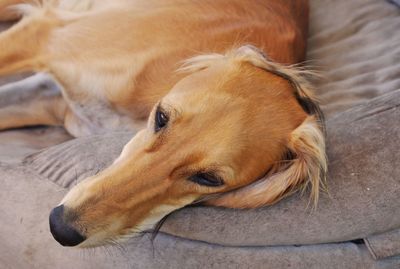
[(355, 46), (384, 245)]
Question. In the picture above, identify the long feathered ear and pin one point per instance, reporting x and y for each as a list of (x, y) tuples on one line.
[(307, 164), (307, 167)]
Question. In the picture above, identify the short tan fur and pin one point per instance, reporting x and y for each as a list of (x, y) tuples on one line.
[(240, 130)]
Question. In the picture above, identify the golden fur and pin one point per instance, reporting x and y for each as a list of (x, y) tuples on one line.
[(233, 113)]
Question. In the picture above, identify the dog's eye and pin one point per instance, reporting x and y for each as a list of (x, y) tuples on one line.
[(207, 179), (161, 120)]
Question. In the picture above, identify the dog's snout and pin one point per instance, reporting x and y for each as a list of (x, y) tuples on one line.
[(62, 231)]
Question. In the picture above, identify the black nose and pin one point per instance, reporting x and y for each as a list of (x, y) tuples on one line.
[(61, 230)]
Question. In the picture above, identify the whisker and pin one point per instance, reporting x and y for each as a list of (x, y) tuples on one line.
[(76, 177)]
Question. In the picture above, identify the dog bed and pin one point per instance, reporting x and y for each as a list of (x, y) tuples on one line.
[(355, 45)]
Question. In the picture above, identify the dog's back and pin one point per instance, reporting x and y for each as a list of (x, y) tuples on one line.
[(134, 47)]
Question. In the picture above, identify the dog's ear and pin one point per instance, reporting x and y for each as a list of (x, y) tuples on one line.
[(306, 166)]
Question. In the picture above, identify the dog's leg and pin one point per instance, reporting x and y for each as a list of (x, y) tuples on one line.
[(38, 43), (23, 46), (7, 14), (35, 100)]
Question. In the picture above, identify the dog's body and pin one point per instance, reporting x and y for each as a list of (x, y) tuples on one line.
[(115, 61)]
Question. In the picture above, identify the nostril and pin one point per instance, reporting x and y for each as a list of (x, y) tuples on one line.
[(64, 233)]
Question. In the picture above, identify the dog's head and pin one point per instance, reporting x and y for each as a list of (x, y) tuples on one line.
[(238, 131)]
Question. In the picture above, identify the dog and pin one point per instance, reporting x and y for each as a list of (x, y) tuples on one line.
[(226, 115)]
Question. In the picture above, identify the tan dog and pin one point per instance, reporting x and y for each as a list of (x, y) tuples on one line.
[(230, 127)]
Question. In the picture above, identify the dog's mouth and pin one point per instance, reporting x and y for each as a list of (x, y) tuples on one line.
[(88, 224), (67, 235)]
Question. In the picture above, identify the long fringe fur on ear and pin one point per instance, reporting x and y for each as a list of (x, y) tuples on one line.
[(307, 168)]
